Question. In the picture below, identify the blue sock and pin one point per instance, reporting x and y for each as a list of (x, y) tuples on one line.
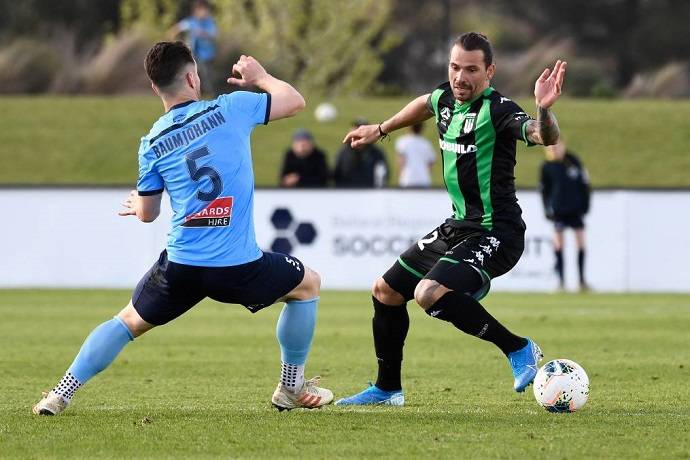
[(295, 330), (100, 349)]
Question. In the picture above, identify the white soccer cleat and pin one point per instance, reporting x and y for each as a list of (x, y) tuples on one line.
[(50, 404), (309, 397)]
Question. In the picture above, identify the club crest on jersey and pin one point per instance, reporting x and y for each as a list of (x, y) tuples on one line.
[(217, 214), (469, 123)]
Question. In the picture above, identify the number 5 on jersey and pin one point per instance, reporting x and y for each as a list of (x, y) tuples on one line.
[(219, 211)]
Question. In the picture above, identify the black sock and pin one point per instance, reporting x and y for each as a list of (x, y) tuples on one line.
[(390, 325), (559, 266), (581, 265), (468, 315)]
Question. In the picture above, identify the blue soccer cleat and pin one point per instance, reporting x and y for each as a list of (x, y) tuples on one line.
[(374, 396), (524, 363)]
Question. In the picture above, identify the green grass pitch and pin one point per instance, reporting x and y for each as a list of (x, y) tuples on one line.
[(94, 140), (200, 387)]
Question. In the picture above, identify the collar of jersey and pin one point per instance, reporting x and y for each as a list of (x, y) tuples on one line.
[(180, 105), (466, 104)]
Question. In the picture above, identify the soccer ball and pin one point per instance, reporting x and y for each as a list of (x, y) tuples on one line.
[(325, 112), (561, 385)]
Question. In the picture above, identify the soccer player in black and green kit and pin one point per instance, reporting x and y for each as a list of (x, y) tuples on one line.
[(450, 269)]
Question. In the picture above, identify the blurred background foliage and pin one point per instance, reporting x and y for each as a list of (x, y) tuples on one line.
[(630, 48)]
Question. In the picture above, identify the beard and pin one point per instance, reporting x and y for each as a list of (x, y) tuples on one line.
[(463, 92)]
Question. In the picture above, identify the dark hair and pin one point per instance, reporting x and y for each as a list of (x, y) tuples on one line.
[(165, 60), (417, 128), (201, 3), (471, 41)]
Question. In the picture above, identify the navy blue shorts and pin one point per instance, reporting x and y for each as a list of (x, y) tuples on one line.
[(170, 289), (574, 221)]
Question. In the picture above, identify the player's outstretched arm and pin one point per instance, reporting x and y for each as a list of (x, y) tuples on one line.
[(544, 130), (286, 101), (146, 208), (414, 112)]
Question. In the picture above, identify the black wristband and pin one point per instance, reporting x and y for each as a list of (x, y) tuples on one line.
[(382, 134)]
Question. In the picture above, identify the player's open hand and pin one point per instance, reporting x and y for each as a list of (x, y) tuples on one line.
[(247, 72), (130, 204), (548, 87), (362, 135)]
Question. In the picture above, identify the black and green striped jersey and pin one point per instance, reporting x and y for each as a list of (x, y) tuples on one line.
[(478, 140)]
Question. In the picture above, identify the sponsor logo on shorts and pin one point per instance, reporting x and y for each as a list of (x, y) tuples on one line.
[(217, 214)]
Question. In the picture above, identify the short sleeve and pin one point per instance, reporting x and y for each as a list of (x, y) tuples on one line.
[(253, 108), (150, 181), (211, 28), (434, 97), (510, 120), (184, 25)]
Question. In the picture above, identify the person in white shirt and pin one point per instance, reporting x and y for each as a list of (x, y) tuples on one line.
[(416, 157)]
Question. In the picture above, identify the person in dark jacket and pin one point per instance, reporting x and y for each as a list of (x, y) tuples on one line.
[(304, 164), (565, 191), (364, 167)]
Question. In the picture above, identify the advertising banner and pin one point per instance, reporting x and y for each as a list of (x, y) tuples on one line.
[(636, 240)]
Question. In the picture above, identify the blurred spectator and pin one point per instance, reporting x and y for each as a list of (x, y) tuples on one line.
[(200, 31), (304, 165), (364, 167), (565, 192), (416, 157)]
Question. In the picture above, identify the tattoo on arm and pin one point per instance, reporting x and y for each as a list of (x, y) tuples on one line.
[(544, 130), (547, 126)]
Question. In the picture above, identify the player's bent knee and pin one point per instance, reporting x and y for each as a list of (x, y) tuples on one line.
[(134, 322), (428, 292), (314, 281), (309, 288), (386, 294)]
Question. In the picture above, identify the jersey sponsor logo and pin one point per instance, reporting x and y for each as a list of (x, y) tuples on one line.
[(217, 214), (469, 123), (460, 149)]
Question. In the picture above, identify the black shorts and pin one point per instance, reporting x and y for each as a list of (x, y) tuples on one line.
[(574, 221), (170, 289), (436, 256)]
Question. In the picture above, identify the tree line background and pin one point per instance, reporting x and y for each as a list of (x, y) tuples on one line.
[(616, 48)]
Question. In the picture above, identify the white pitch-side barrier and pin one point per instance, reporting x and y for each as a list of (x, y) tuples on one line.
[(638, 241)]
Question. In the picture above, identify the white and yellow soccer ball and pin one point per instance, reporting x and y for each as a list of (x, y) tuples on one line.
[(325, 112), (561, 385)]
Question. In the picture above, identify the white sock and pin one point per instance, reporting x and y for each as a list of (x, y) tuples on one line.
[(292, 376), (67, 386)]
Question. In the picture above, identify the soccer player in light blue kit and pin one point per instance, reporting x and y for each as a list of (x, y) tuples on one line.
[(199, 151)]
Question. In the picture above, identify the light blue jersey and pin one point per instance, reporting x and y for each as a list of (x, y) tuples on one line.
[(200, 153)]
